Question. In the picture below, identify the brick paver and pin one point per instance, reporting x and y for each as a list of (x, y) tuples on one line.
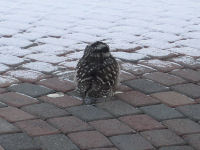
[(161, 112), (118, 108), (3, 105), (187, 74), (56, 141), (141, 122), (173, 99), (6, 127), (136, 98), (193, 139), (156, 105), (17, 99), (17, 141), (89, 113), (146, 86), (191, 111), (63, 101), (94, 139), (44, 110), (69, 124), (111, 127), (13, 114), (36, 127), (177, 148), (190, 89), (130, 142), (162, 137), (58, 85), (182, 126), (30, 89), (164, 78)]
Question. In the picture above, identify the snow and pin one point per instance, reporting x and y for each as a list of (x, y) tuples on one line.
[(49, 48), (12, 50), (129, 56), (29, 75), (62, 30), (40, 66), (3, 68), (49, 58), (155, 52), (7, 80), (10, 60)]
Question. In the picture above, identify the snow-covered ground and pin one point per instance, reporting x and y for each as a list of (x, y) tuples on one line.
[(52, 33)]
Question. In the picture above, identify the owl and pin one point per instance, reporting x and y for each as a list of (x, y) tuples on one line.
[(97, 72)]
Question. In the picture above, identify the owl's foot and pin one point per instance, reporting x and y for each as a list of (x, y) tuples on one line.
[(89, 100)]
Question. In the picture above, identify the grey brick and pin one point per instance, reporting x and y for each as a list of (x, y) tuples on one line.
[(2, 105), (45, 110), (55, 142), (190, 89), (30, 89), (193, 140), (192, 111), (18, 141), (6, 127), (162, 137), (161, 112), (177, 148), (118, 108), (131, 142), (146, 86), (89, 112)]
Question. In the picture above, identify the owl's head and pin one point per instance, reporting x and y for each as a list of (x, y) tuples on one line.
[(97, 49)]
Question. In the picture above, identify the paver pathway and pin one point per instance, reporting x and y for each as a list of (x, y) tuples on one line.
[(157, 45)]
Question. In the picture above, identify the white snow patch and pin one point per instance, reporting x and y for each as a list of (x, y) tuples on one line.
[(154, 52), (12, 50), (40, 66), (49, 58), (74, 56), (10, 60), (3, 68), (26, 74), (186, 51), (7, 80), (129, 56), (69, 64)]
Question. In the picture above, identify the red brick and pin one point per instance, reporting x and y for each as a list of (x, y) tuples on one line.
[(198, 100), (13, 114), (173, 99), (64, 101), (58, 84), (1, 148), (69, 124), (36, 127), (89, 139), (164, 66), (141, 122), (2, 90), (182, 126), (111, 127), (124, 76), (123, 88), (163, 138), (188, 74), (164, 78), (136, 98), (17, 99)]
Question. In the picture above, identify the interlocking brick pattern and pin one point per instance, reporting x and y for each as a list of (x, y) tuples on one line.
[(156, 105)]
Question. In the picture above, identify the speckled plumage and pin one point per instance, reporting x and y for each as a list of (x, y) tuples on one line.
[(97, 72)]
